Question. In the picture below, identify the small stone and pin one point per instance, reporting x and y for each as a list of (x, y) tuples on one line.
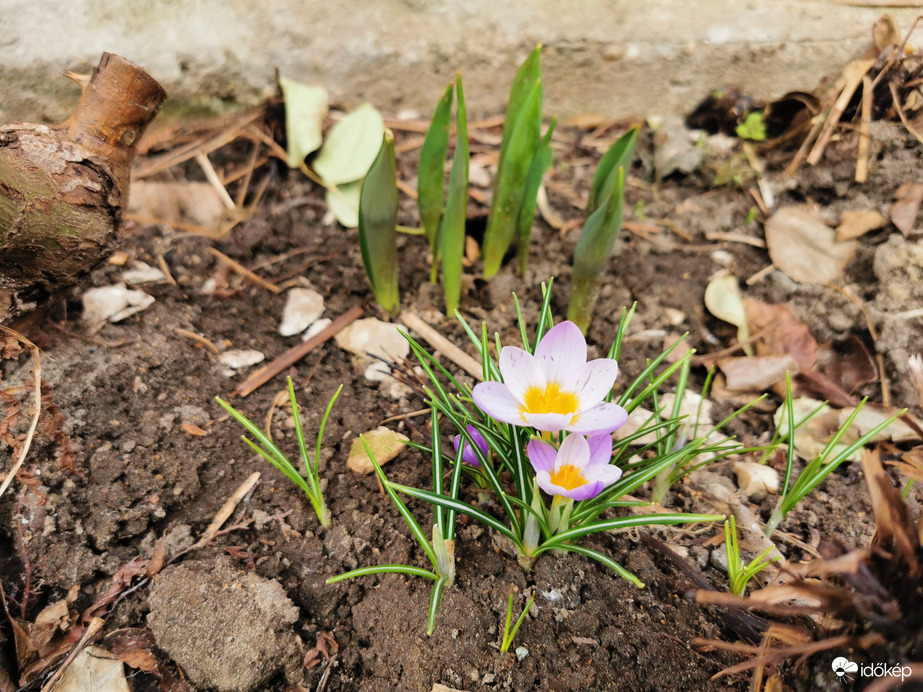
[(143, 273), (756, 480), (316, 328), (521, 653), (302, 307), (238, 358), (113, 303), (719, 558), (372, 337), (385, 445)]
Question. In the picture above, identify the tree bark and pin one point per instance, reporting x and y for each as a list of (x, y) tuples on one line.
[(62, 189)]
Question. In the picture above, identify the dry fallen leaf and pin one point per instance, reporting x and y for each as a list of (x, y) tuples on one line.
[(906, 207), (723, 300), (805, 249), (854, 224), (756, 374), (384, 443), (782, 333), (192, 203), (193, 429)]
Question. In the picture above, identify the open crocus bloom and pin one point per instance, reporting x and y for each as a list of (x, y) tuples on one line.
[(579, 469), (468, 454), (554, 390)]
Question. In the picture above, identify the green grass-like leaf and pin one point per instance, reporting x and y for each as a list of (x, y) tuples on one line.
[(431, 172), (378, 203), (452, 230), (541, 162)]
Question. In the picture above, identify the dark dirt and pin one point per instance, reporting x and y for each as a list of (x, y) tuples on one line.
[(139, 475)]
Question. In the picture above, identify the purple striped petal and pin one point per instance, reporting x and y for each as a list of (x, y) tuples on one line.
[(603, 418), (519, 371), (495, 399), (561, 350), (593, 381), (600, 449), (541, 455)]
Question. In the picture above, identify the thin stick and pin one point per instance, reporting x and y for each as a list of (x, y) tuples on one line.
[(96, 624), (227, 509), (37, 404), (197, 337), (736, 238), (165, 268), (293, 355), (443, 345), (862, 154), (854, 72), (243, 271), (211, 175)]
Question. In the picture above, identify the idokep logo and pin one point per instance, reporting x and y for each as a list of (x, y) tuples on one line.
[(843, 668)]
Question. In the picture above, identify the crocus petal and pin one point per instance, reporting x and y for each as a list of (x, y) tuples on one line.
[(603, 418), (495, 399), (581, 492), (593, 381), (519, 371), (546, 422), (574, 451), (585, 491), (541, 455), (561, 350), (607, 475), (468, 454), (600, 449)]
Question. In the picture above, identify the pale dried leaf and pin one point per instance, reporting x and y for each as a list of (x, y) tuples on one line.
[(345, 203), (305, 110), (723, 300), (384, 443), (854, 224), (351, 146), (193, 203), (756, 374), (906, 207), (805, 249), (94, 669)]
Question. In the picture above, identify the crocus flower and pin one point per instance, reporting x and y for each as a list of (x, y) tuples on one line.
[(579, 469), (554, 390), (468, 454)]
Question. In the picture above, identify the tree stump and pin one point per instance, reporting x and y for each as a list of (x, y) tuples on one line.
[(62, 189)]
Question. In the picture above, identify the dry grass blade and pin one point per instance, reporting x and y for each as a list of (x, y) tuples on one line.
[(227, 509), (894, 527), (37, 405), (96, 624)]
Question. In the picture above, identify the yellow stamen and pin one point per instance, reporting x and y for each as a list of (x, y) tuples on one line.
[(567, 477), (550, 400)]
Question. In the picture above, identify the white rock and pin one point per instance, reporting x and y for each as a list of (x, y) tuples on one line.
[(142, 273), (756, 480), (372, 337), (113, 303), (316, 328), (237, 358), (302, 307), (521, 653)]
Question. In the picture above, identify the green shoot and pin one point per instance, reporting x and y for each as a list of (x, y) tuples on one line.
[(431, 176), (378, 203), (521, 141), (541, 162), (440, 551), (310, 481), (739, 572), (509, 635), (451, 239), (825, 463), (605, 212)]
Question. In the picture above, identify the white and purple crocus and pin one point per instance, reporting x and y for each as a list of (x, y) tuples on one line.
[(579, 469), (556, 389)]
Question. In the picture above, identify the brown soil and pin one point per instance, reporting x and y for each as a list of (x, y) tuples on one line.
[(139, 475)]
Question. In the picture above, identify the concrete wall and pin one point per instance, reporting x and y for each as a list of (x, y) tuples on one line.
[(616, 57)]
